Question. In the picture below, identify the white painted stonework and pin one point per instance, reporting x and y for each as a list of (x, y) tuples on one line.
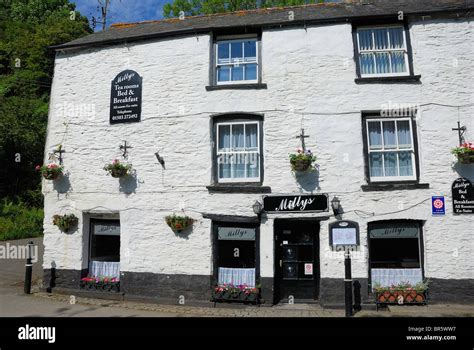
[(309, 71)]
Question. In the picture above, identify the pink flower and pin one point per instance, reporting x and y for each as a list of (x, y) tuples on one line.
[(116, 161), (37, 168)]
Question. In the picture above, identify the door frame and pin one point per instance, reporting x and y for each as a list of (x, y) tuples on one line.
[(277, 281)]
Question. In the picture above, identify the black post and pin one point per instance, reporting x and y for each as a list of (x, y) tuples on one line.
[(29, 269), (348, 283)]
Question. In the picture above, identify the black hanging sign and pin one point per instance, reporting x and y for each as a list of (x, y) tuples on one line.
[(296, 203), (463, 196), (126, 98)]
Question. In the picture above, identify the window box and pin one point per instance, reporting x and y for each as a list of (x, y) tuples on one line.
[(230, 293), (464, 153), (402, 294), (103, 284)]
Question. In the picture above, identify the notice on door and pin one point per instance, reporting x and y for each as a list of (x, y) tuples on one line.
[(308, 269)]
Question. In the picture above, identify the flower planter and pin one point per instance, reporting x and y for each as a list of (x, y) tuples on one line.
[(50, 171), (464, 153), (404, 297), (179, 223), (65, 222), (300, 164), (466, 158), (302, 160), (236, 294), (117, 169), (100, 284)]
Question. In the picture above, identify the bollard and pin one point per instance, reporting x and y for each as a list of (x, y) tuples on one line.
[(348, 283), (29, 269)]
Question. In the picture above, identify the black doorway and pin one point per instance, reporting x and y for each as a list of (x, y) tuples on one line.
[(296, 260)]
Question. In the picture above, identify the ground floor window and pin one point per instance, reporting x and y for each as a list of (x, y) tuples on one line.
[(104, 257), (395, 252), (235, 254)]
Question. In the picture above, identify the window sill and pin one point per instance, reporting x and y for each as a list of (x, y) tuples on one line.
[(383, 80), (238, 188), (393, 186), (252, 86)]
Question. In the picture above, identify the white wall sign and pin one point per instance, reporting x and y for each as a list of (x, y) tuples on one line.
[(236, 234), (344, 233), (344, 236)]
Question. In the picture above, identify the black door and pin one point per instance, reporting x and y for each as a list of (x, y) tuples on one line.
[(296, 260)]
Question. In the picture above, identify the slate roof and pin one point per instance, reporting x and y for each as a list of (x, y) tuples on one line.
[(309, 14)]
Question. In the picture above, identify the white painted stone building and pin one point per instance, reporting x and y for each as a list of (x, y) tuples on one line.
[(305, 67)]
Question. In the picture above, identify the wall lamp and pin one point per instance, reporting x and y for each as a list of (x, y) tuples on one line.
[(257, 208), (336, 206)]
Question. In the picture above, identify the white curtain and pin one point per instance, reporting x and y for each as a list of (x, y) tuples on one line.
[(388, 277), (237, 277), (104, 269)]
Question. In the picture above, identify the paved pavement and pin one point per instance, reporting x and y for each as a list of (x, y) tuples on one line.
[(13, 303)]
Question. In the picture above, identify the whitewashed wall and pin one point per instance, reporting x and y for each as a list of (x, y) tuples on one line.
[(306, 71)]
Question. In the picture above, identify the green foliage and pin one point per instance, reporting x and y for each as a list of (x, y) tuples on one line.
[(65, 222), (178, 223), (19, 221), (27, 30), (207, 7)]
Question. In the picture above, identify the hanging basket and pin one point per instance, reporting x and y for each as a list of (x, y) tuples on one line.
[(466, 158), (117, 169), (179, 223), (464, 153), (302, 160), (50, 171), (65, 222), (300, 164)]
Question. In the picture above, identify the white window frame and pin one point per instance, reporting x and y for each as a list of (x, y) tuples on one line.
[(229, 40), (383, 150), (374, 51), (230, 152)]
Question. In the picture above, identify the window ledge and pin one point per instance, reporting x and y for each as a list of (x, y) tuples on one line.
[(393, 186), (382, 80), (239, 188), (252, 86)]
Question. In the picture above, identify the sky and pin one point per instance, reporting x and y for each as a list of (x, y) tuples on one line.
[(123, 10)]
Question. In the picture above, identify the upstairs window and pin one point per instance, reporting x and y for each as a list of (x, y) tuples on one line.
[(382, 51), (391, 150), (238, 151), (236, 61)]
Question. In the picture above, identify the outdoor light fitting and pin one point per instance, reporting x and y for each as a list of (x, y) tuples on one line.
[(257, 207), (336, 206)]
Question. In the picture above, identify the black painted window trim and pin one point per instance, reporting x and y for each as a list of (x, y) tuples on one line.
[(420, 224), (212, 64), (409, 78), (236, 187), (389, 185), (215, 249)]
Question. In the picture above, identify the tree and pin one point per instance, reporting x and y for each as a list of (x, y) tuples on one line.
[(27, 29), (207, 7)]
